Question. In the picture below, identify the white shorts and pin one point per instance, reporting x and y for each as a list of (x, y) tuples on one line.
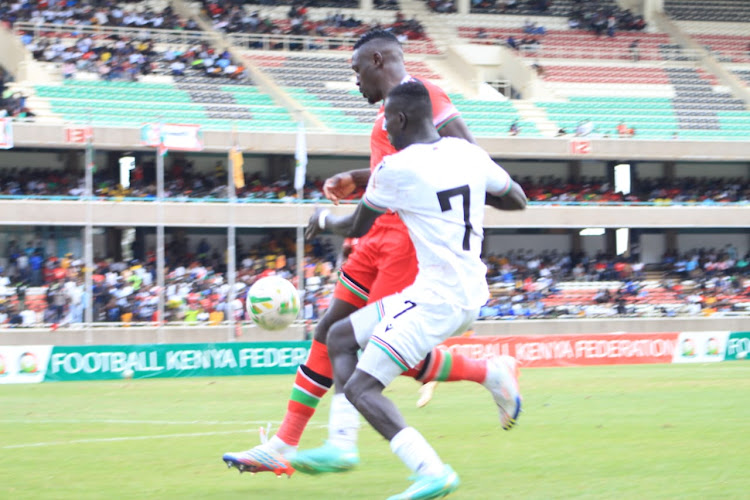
[(398, 331)]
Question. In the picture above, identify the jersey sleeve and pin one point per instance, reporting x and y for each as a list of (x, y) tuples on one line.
[(498, 180), (382, 189), (443, 110)]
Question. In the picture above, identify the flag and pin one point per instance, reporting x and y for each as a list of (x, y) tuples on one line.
[(300, 156), (236, 160)]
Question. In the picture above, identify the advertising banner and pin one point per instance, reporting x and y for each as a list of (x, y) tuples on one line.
[(738, 346), (572, 350), (172, 136), (23, 364), (174, 360), (700, 347), (28, 364)]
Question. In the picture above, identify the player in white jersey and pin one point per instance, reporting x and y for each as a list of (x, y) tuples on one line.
[(442, 206)]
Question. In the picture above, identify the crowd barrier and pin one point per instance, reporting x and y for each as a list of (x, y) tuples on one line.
[(49, 363)]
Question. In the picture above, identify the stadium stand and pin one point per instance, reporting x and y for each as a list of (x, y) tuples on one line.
[(638, 84), (524, 285), (708, 10), (323, 85)]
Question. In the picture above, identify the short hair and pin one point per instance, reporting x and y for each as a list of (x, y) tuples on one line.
[(412, 97), (376, 34)]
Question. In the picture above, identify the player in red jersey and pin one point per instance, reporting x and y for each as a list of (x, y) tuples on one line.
[(382, 263)]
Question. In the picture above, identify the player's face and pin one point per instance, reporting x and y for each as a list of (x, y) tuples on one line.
[(365, 69), (394, 125)]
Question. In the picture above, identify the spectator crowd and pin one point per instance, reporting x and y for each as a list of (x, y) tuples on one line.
[(121, 58), (40, 289), (184, 181), (92, 13), (230, 17)]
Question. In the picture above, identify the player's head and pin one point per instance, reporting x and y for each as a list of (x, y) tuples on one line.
[(408, 115), (378, 62)]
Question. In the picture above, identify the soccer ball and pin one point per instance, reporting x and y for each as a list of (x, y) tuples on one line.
[(272, 303)]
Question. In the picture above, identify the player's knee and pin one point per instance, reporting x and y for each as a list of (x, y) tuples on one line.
[(337, 311), (341, 338), (356, 394), (361, 388), (351, 394)]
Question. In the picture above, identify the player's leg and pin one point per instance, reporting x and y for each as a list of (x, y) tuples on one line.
[(399, 340), (339, 453), (314, 378), (312, 381), (397, 267), (433, 478)]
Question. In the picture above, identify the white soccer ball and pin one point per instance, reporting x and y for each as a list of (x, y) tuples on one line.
[(272, 303)]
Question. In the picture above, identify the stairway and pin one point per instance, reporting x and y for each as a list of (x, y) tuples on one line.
[(531, 113), (441, 33)]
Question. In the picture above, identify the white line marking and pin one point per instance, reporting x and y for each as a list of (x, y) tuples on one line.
[(130, 438), (123, 438), (136, 422)]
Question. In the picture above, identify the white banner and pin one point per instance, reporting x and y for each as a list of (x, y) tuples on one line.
[(23, 364), (172, 136), (700, 347)]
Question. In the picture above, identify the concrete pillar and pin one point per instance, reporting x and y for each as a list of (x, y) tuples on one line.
[(670, 243), (366, 4), (114, 243), (463, 6), (574, 170), (575, 241), (610, 245), (669, 170)]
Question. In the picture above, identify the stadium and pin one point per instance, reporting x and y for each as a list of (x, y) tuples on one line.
[(158, 157)]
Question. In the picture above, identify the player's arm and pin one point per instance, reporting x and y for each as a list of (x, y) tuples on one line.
[(351, 225), (456, 127), (502, 192), (381, 193), (345, 183), (514, 199)]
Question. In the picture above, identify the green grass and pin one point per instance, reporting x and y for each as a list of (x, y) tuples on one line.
[(627, 432)]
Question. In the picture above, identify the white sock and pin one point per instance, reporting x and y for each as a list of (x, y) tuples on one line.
[(343, 423), (414, 450), (279, 446)]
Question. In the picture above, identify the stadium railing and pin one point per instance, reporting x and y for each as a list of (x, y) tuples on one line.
[(292, 42), (187, 37), (171, 37), (207, 199), (647, 55)]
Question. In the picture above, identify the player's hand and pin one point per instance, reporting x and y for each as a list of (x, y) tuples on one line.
[(313, 229), (338, 187)]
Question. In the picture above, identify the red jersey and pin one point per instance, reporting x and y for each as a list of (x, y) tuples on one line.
[(383, 261), (443, 111)]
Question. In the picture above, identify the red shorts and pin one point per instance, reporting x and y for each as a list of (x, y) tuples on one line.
[(382, 263)]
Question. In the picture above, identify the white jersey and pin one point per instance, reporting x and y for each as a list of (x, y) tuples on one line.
[(438, 190)]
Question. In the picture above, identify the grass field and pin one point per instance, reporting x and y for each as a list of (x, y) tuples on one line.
[(635, 432)]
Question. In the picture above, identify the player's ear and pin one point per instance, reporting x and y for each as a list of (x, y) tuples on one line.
[(377, 59), (402, 120)]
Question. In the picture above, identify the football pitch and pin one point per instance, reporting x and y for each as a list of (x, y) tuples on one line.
[(630, 432)]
